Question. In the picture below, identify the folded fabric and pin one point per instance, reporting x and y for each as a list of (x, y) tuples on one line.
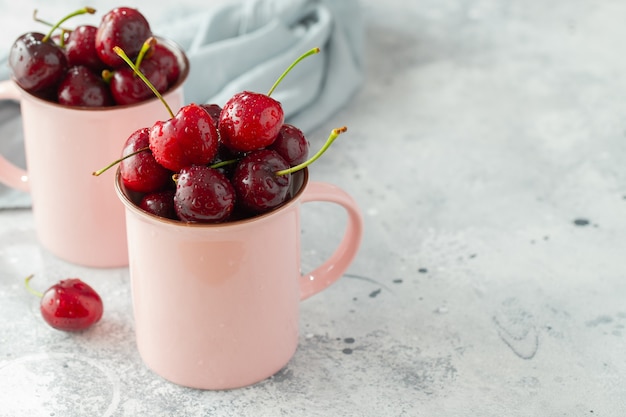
[(246, 45)]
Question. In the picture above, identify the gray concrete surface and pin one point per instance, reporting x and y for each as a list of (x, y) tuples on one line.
[(487, 152)]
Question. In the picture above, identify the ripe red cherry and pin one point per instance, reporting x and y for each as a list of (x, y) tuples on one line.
[(250, 121), (203, 194), (80, 48), (141, 172), (167, 60), (81, 87), (262, 178), (291, 144), (69, 305), (127, 88), (256, 183), (124, 27), (214, 111), (188, 138), (36, 62), (160, 203)]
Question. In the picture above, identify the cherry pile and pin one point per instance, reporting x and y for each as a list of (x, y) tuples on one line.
[(78, 67), (212, 164)]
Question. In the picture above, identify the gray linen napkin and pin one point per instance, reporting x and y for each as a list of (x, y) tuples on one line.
[(245, 46)]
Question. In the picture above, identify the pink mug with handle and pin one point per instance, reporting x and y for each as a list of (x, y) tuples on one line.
[(216, 305), (78, 216)]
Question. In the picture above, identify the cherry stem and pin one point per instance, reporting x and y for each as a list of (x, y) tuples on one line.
[(84, 10), (120, 52), (31, 289), (117, 161), (37, 19), (107, 75), (62, 38), (331, 138), (290, 67), (147, 45), (147, 148), (223, 163)]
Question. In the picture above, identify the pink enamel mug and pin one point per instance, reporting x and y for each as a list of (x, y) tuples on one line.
[(216, 305), (78, 216)]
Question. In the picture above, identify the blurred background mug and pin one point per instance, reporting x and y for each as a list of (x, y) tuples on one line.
[(216, 306), (78, 216)]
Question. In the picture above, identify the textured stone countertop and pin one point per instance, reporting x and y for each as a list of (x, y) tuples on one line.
[(487, 152)]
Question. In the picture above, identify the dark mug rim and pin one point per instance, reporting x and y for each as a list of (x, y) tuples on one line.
[(299, 183)]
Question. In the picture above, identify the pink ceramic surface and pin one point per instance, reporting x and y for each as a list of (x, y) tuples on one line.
[(78, 216), (216, 306)]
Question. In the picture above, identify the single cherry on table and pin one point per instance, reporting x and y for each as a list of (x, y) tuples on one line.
[(70, 305)]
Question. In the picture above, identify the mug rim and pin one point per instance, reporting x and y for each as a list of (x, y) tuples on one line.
[(302, 177), (184, 74)]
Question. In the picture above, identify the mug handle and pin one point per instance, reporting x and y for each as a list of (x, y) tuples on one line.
[(334, 267), (11, 174)]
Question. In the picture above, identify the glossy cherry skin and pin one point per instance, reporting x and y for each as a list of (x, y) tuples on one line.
[(166, 60), (124, 27), (36, 64), (127, 88), (258, 187), (214, 111), (80, 87), (189, 138), (250, 121), (71, 305), (159, 203), (80, 48), (141, 172), (203, 195), (291, 144)]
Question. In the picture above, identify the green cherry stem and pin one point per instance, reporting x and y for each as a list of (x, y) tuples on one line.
[(223, 163), (331, 138), (31, 289), (84, 10), (213, 166), (120, 52), (107, 75), (117, 161), (62, 38), (147, 45), (290, 67), (38, 20)]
